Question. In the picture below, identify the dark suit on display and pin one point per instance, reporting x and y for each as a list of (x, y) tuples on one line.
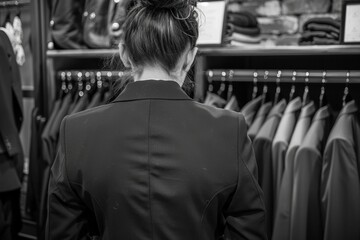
[(340, 185), (11, 152), (154, 164)]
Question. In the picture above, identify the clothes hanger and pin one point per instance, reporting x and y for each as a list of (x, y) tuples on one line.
[(278, 88), (70, 85), (80, 84), (64, 89), (293, 88), (322, 98), (222, 88), (99, 82), (230, 87), (265, 88), (210, 81), (306, 99), (255, 87), (347, 97)]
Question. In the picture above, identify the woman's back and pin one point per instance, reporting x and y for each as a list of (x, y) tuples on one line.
[(154, 164)]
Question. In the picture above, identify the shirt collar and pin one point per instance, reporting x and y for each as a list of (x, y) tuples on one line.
[(264, 109), (152, 89), (294, 105), (322, 113), (349, 108), (278, 109), (308, 110)]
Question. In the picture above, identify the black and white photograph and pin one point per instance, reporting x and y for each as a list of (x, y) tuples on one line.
[(179, 119)]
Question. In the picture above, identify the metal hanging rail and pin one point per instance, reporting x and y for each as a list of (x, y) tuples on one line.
[(314, 76), (14, 3)]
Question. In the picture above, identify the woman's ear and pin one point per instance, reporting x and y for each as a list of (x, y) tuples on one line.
[(124, 56), (190, 57)]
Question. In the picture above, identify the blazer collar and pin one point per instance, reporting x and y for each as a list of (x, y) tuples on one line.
[(152, 89), (349, 108)]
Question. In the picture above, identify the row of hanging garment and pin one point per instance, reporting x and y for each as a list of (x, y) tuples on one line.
[(79, 90), (308, 158), (10, 22)]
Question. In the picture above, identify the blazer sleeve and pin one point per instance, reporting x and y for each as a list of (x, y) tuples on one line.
[(245, 213), (67, 215)]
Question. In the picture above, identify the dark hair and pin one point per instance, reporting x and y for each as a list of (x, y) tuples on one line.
[(158, 31)]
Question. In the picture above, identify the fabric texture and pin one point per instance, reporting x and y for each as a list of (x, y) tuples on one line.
[(306, 220), (282, 222), (66, 24), (340, 185), (126, 169), (259, 119), (250, 109), (263, 152), (281, 142), (12, 158)]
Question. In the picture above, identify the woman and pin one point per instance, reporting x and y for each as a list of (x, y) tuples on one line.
[(154, 164)]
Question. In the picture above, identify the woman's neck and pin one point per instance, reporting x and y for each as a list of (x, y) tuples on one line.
[(155, 73)]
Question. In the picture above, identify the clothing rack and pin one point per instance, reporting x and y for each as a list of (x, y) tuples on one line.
[(312, 76), (14, 3), (81, 74)]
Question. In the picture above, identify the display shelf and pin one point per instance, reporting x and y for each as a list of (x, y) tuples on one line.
[(82, 53), (282, 50), (227, 51)]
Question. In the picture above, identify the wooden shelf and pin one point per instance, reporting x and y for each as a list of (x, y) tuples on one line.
[(226, 51)]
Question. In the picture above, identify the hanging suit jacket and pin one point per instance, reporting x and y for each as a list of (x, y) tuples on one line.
[(11, 153), (262, 147), (259, 119), (35, 166), (250, 109), (306, 222), (283, 209), (232, 104), (66, 25), (340, 184), (147, 167), (281, 142)]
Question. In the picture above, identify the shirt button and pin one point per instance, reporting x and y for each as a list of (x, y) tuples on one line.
[(92, 16), (86, 13), (52, 23)]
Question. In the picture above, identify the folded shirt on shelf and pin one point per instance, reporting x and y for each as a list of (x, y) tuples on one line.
[(319, 41), (238, 37), (232, 28), (320, 31), (243, 19), (279, 25)]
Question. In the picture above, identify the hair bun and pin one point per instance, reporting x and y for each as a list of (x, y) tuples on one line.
[(166, 4)]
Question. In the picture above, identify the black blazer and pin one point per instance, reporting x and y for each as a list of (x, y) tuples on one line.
[(11, 153), (154, 164)]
